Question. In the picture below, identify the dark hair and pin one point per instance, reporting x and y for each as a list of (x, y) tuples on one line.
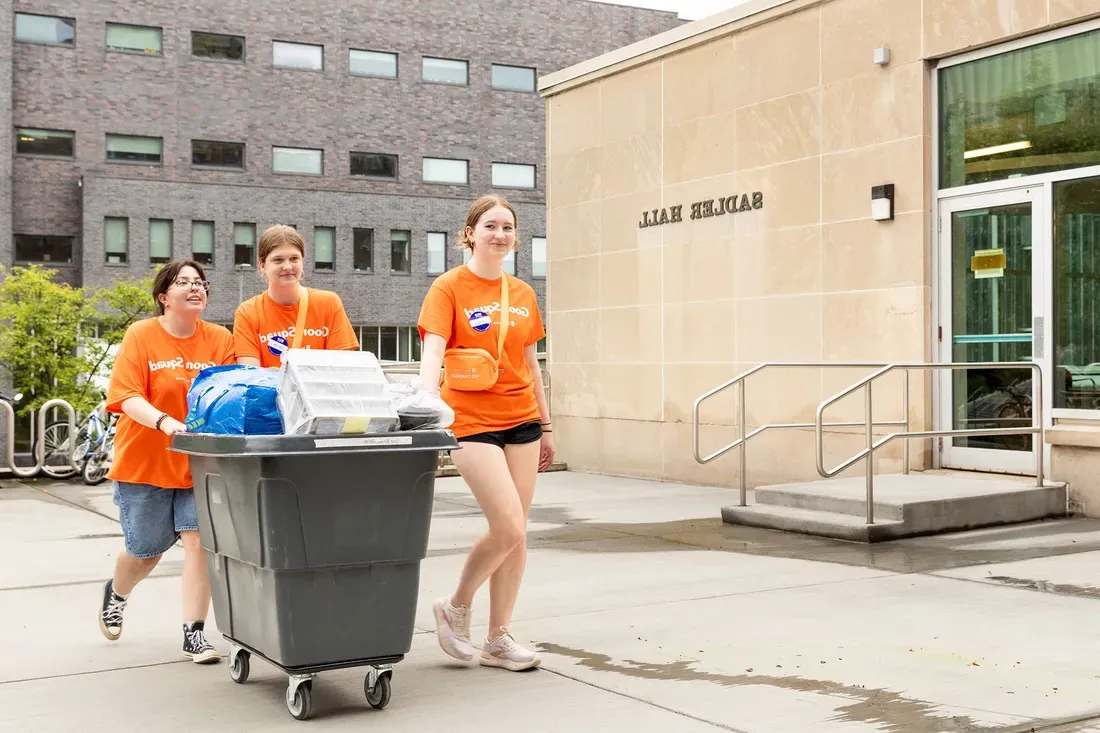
[(167, 275)]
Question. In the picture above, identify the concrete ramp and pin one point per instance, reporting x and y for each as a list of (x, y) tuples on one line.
[(931, 502)]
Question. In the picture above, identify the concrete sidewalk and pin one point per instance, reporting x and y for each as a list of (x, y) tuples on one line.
[(652, 615)]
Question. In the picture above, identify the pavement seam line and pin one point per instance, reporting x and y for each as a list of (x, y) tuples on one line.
[(1055, 726), (94, 671), (1025, 589), (650, 703)]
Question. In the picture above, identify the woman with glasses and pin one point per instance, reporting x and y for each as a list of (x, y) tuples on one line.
[(264, 327), (158, 359)]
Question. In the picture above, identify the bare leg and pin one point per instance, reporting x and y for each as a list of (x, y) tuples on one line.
[(196, 581), (523, 464), (485, 470), (130, 570)]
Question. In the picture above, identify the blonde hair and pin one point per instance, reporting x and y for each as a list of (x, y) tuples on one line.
[(276, 236), (478, 210)]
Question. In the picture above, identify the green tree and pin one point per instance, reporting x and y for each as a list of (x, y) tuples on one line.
[(55, 339)]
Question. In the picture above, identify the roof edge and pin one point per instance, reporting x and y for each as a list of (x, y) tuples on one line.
[(547, 84)]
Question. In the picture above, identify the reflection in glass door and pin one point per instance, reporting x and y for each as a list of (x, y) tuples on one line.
[(1076, 314), (993, 295)]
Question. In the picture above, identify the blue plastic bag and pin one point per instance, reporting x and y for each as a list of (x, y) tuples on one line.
[(234, 400)]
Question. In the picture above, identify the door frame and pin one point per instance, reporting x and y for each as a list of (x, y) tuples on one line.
[(982, 459), (941, 198)]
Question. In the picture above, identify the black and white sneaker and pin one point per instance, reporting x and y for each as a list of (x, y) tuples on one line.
[(110, 612), (196, 647)]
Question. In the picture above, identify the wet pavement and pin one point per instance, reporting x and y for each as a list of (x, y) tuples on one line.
[(651, 614)]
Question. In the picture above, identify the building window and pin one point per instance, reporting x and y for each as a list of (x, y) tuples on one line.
[(538, 257), (202, 242), (443, 170), (324, 248), (217, 46), (134, 39), (437, 253), (298, 55), (400, 251), (372, 63), (134, 149), (55, 143), (362, 249), (513, 175), (216, 154), (1076, 292), (48, 29), (445, 71), (37, 248), (303, 161), (244, 244), (1021, 113), (509, 263), (374, 165), (513, 78), (116, 240), (391, 343), (160, 241)]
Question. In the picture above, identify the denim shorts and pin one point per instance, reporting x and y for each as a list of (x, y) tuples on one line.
[(152, 518)]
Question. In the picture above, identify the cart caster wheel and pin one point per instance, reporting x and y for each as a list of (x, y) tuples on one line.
[(239, 666), (379, 697), (300, 701)]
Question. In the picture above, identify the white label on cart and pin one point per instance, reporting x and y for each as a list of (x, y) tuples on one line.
[(361, 442)]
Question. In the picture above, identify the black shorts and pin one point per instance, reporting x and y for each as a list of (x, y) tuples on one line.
[(528, 432)]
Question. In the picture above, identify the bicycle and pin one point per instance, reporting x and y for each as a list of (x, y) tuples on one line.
[(90, 432), (98, 459)]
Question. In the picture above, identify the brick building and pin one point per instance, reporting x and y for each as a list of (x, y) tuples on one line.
[(148, 129)]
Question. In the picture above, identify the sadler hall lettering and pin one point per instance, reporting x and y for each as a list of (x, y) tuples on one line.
[(703, 209)]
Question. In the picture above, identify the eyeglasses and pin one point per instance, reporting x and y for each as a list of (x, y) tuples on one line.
[(192, 284)]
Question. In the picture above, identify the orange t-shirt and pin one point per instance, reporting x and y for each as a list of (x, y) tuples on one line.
[(263, 329), (154, 364), (464, 309)]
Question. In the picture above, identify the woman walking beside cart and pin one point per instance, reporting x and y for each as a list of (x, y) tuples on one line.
[(287, 315), (481, 325), (153, 370)]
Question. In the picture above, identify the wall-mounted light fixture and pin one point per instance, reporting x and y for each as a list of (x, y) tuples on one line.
[(882, 55), (882, 202)]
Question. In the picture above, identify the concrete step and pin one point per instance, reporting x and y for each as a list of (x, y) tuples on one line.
[(814, 522), (922, 503), (797, 496)]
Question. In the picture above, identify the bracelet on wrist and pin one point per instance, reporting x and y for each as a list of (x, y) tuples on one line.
[(162, 418)]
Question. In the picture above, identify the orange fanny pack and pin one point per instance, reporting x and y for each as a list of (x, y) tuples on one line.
[(475, 370)]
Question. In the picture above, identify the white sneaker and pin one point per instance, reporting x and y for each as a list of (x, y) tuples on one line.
[(505, 653), (452, 627)]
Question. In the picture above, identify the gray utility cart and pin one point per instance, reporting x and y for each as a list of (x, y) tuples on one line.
[(314, 546)]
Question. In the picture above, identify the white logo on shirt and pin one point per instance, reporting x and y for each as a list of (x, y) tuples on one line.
[(289, 333), (179, 363), (495, 308)]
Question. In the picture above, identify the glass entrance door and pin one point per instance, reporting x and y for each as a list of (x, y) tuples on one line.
[(992, 251)]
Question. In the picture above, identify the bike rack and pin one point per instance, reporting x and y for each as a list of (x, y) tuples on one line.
[(40, 447)]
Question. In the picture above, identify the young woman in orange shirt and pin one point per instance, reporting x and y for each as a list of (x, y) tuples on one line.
[(266, 326), (482, 325), (154, 492)]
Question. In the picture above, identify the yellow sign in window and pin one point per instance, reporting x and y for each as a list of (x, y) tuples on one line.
[(988, 263)]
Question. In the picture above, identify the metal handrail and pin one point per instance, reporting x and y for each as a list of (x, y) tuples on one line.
[(868, 453), (745, 438)]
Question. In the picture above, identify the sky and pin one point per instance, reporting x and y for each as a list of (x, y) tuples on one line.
[(688, 9)]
